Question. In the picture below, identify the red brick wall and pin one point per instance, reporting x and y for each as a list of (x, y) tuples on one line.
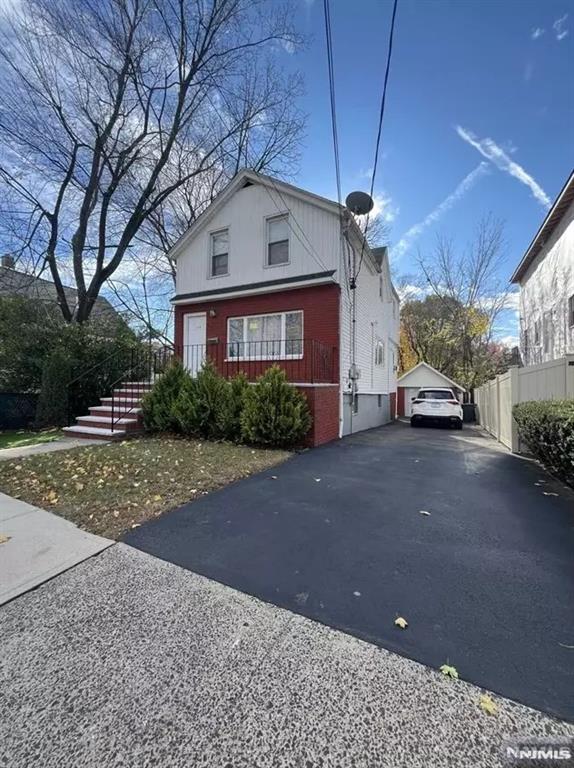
[(324, 407), (320, 305)]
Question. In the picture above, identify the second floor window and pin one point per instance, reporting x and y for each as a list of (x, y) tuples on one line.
[(219, 254), (571, 311), (379, 353), (277, 241)]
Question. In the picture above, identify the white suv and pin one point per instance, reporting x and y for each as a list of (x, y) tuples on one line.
[(437, 405)]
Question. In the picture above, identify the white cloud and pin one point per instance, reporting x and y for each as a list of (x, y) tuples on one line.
[(536, 33), (559, 27), (489, 149), (509, 341), (384, 207), (414, 232)]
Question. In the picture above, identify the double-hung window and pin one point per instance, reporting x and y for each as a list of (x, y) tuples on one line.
[(265, 337), (571, 311), (219, 253), (277, 241)]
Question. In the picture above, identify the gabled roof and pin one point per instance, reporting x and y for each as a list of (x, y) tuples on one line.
[(553, 218), (16, 283), (246, 177), (434, 370)]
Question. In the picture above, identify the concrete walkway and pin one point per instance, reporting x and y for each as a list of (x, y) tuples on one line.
[(56, 445), (39, 545), (129, 661)]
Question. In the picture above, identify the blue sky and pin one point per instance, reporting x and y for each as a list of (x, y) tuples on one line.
[(463, 72)]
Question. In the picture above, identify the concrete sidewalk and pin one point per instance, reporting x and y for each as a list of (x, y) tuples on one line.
[(129, 661), (40, 545), (65, 444)]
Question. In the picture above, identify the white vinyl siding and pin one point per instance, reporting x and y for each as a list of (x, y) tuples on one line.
[(265, 337)]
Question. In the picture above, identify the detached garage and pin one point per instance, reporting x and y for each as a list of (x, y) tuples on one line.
[(422, 375)]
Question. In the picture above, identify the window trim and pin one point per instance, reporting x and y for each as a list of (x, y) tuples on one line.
[(210, 254), (379, 345), (282, 354), (268, 220), (571, 311)]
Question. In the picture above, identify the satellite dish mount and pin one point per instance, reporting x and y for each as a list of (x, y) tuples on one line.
[(359, 203)]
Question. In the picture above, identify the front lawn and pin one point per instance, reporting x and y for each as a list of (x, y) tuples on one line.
[(111, 488), (20, 438)]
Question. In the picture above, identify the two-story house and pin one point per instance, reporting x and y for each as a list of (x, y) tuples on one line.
[(264, 276), (546, 279)]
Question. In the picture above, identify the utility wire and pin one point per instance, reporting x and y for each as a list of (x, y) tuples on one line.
[(381, 115)]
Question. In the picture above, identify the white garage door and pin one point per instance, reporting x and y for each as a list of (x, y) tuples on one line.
[(410, 392)]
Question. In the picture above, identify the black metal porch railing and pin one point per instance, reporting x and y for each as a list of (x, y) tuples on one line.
[(305, 361)]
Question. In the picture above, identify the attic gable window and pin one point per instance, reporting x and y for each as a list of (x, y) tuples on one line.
[(277, 241), (219, 253)]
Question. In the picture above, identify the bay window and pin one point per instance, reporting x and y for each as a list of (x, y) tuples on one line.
[(265, 337)]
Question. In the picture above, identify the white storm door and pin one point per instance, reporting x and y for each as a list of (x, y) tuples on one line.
[(194, 341)]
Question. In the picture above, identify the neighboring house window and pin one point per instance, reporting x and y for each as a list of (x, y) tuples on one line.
[(379, 353), (547, 331), (264, 337), (537, 333), (277, 241), (571, 311), (219, 256)]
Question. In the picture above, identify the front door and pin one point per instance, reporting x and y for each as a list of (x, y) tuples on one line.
[(194, 341)]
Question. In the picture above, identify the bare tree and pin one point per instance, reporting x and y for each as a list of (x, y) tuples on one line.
[(465, 297), (111, 109)]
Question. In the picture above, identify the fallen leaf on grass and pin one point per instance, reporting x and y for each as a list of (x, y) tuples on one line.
[(136, 525), (79, 486), (157, 497), (449, 671), (402, 623), (4, 539), (487, 704)]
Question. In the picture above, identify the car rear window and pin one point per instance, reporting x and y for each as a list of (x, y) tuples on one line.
[(435, 394)]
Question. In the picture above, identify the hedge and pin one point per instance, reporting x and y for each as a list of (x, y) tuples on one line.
[(547, 428), (270, 412)]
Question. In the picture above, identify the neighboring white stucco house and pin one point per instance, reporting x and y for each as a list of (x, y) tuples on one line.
[(546, 279)]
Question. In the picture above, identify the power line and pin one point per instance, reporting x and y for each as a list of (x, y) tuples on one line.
[(381, 115), (330, 65), (313, 253)]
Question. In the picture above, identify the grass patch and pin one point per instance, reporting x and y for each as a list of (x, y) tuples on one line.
[(111, 488), (20, 439)]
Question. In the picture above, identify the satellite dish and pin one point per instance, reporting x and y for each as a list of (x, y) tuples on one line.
[(359, 203)]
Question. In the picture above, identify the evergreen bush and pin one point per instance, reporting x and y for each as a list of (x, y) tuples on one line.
[(158, 405), (52, 408), (201, 406), (274, 412), (232, 407)]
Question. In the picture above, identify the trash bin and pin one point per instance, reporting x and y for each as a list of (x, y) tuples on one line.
[(469, 413)]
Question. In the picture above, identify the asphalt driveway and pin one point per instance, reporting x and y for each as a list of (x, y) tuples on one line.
[(336, 534)]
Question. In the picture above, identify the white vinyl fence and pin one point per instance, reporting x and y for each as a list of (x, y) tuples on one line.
[(547, 381)]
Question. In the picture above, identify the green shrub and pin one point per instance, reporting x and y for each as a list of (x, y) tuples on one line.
[(232, 407), (158, 406), (547, 428), (201, 405), (275, 413), (52, 407)]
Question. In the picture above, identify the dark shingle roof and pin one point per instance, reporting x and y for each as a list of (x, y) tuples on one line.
[(15, 283)]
